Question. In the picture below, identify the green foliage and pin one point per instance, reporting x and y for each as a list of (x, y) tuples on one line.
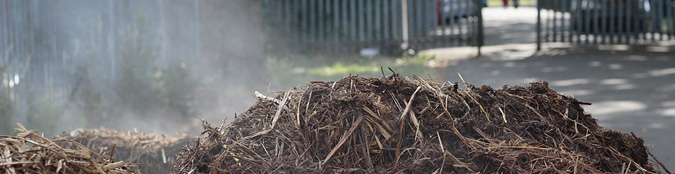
[(144, 88), (293, 71), (175, 87), (134, 86)]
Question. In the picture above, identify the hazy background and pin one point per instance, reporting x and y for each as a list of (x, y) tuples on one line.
[(151, 65)]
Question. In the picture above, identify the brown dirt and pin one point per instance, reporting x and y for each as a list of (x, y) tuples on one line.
[(140, 148), (29, 152), (397, 125)]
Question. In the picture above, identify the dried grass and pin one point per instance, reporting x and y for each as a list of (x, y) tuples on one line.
[(397, 125), (29, 152)]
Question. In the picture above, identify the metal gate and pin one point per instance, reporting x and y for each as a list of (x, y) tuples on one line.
[(307, 26), (599, 22)]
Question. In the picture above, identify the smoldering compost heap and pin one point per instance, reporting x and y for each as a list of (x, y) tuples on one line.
[(30, 152), (154, 153), (393, 124)]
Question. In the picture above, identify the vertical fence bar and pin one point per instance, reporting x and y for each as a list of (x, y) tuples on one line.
[(555, 6), (616, 22), (640, 21), (563, 12), (444, 22), (629, 22), (538, 25), (412, 21), (587, 21), (378, 22), (653, 16), (547, 23), (336, 24), (669, 14), (659, 27), (460, 26), (432, 21), (444, 26), (328, 29), (481, 40), (573, 19), (453, 22), (629, 18), (604, 18), (579, 27), (386, 21), (353, 23), (321, 21), (361, 18), (643, 22), (470, 23), (312, 21), (555, 3), (422, 17), (396, 20), (419, 20), (435, 21), (344, 21), (409, 13), (426, 17), (596, 24), (368, 12), (424, 32), (304, 20), (405, 32)]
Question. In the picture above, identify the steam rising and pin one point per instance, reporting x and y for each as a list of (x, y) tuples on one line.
[(152, 66)]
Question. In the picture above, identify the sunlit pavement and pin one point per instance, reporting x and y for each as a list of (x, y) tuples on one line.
[(632, 89)]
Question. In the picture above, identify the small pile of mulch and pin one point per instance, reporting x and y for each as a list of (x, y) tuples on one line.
[(398, 125), (154, 153), (29, 152)]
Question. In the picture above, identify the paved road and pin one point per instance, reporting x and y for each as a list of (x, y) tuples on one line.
[(631, 88)]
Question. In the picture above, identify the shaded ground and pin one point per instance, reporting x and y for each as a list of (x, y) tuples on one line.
[(632, 89)]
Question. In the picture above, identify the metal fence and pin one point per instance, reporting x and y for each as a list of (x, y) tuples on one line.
[(349, 25), (605, 21), (46, 46)]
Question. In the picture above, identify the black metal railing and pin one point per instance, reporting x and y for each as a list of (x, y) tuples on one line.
[(600, 22), (349, 25)]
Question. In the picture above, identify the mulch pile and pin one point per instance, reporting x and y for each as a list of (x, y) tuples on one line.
[(154, 153), (397, 125), (29, 152)]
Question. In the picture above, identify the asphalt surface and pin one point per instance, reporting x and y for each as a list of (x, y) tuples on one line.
[(632, 89)]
